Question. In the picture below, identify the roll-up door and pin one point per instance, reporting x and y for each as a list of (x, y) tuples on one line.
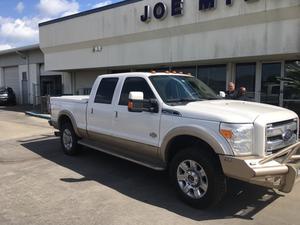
[(11, 79)]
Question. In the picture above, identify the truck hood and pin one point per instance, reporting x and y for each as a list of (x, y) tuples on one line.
[(232, 111)]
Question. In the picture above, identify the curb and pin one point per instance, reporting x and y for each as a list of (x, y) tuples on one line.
[(43, 116)]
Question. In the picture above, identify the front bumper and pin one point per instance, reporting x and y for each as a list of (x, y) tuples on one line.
[(277, 171)]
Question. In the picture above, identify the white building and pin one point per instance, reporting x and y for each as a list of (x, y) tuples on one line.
[(22, 69), (255, 43)]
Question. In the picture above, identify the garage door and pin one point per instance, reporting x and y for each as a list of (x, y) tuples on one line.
[(11, 79)]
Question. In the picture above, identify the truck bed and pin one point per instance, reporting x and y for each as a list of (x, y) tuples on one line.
[(74, 98), (77, 105)]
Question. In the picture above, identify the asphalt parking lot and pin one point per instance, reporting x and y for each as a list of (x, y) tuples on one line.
[(41, 185)]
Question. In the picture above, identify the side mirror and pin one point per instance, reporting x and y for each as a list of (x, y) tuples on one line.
[(222, 94), (136, 101)]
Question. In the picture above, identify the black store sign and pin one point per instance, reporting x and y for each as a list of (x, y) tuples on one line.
[(160, 9)]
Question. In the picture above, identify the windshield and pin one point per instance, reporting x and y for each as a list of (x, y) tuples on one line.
[(181, 89)]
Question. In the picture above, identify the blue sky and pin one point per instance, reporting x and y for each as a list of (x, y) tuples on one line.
[(19, 18)]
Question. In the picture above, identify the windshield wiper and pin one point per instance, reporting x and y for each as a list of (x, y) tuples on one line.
[(183, 100)]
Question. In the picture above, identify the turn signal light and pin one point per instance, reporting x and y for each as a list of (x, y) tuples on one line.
[(130, 105), (226, 133)]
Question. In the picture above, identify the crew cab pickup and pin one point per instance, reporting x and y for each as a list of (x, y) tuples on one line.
[(175, 122)]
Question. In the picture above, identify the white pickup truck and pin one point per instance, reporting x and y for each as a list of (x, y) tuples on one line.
[(176, 122)]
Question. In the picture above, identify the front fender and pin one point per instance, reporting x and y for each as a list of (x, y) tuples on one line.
[(212, 138)]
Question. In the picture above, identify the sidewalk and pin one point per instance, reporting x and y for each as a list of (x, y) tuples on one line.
[(38, 114)]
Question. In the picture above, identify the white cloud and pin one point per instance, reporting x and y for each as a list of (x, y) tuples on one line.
[(20, 7), (102, 3), (5, 47), (54, 8), (17, 30)]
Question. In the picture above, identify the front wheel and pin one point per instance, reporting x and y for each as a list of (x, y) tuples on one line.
[(69, 139), (197, 177)]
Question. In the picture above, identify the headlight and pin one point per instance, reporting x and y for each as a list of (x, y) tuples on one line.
[(239, 136)]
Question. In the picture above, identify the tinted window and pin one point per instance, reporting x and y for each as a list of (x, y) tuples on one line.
[(135, 84), (245, 77), (291, 86), (214, 76), (106, 90), (270, 83)]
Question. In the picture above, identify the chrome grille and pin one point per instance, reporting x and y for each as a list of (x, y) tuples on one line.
[(280, 135)]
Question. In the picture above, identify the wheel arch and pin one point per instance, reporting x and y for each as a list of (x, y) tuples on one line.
[(66, 116), (183, 137)]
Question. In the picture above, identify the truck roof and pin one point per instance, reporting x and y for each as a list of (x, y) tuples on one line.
[(144, 74)]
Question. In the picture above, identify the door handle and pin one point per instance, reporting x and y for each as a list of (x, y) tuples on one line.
[(116, 114), (92, 110)]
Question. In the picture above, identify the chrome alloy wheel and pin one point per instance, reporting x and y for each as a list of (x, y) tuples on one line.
[(67, 139), (192, 179)]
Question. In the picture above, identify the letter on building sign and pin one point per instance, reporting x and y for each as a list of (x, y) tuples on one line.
[(207, 4), (177, 7), (160, 11), (147, 14), (228, 2)]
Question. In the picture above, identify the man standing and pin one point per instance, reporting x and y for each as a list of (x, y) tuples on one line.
[(231, 92)]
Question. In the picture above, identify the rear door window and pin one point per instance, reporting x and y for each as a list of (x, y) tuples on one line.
[(106, 90)]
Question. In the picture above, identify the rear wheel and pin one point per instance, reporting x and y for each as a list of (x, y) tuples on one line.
[(198, 178), (69, 139)]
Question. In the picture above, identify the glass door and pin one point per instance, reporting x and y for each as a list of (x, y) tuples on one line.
[(270, 83), (245, 77), (291, 86)]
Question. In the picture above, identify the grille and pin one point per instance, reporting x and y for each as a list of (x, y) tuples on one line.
[(280, 135)]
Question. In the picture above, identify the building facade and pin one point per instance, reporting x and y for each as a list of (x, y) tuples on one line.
[(255, 43), (23, 70)]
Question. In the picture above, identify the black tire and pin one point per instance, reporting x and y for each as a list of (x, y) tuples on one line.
[(194, 182), (69, 139)]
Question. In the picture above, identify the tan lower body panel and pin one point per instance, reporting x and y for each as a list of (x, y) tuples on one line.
[(137, 152)]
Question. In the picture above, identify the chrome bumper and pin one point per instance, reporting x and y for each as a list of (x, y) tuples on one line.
[(277, 171)]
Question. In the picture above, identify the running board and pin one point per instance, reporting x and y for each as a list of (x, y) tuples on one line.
[(89, 144)]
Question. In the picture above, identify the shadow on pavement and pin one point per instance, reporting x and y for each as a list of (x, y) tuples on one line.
[(17, 108), (152, 187)]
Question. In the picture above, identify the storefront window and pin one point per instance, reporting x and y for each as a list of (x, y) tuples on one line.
[(270, 83), (291, 84), (245, 77), (186, 70), (213, 76), (158, 69)]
